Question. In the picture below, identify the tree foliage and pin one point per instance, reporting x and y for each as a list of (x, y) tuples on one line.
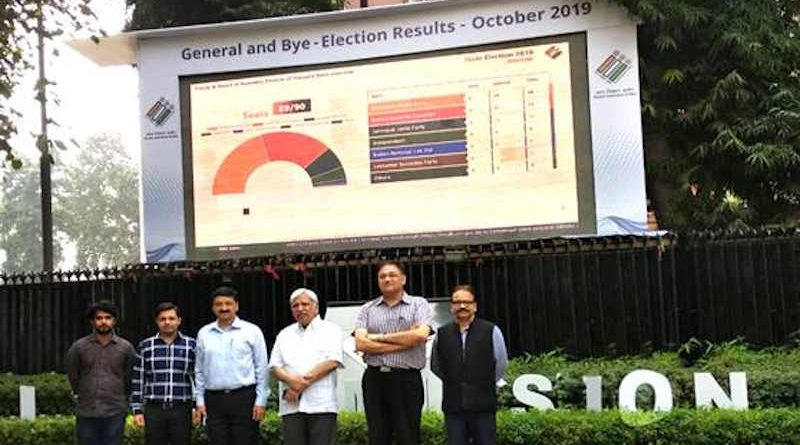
[(18, 28), (21, 222), (721, 102), (149, 14), (95, 209), (98, 204)]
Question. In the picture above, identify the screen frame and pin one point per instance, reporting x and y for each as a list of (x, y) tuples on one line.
[(584, 165)]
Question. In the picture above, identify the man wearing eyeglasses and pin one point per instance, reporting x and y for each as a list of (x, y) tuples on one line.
[(470, 357)]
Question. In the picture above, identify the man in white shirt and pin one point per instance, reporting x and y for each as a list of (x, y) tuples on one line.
[(304, 358)]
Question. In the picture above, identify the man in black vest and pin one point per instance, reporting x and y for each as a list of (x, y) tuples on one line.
[(469, 355)]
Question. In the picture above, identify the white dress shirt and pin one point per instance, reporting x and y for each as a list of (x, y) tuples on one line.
[(298, 351)]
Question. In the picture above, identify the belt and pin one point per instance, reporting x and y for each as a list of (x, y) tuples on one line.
[(168, 404), (231, 390), (389, 369)]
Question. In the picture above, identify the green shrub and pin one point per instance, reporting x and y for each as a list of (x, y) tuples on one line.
[(352, 429), (53, 394), (682, 426), (773, 377), (562, 427)]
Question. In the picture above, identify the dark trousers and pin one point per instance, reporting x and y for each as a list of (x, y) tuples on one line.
[(309, 429), (168, 424), (229, 417), (470, 428), (393, 405), (100, 430)]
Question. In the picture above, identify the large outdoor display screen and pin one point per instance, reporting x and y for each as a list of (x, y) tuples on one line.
[(476, 144)]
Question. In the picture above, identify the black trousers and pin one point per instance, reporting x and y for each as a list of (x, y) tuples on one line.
[(168, 424), (100, 430), (393, 405), (309, 429), (471, 428), (229, 417)]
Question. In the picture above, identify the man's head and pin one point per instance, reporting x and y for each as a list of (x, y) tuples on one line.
[(225, 303), (391, 278), (102, 316), (168, 318), (305, 305), (463, 304)]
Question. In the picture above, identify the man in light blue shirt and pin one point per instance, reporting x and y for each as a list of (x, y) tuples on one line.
[(230, 373)]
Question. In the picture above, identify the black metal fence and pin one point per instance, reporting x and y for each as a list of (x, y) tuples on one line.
[(588, 296)]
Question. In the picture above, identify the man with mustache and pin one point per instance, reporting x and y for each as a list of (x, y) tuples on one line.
[(98, 367), (391, 331), (305, 357), (230, 373), (469, 355)]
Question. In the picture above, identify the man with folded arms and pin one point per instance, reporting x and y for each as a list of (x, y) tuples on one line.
[(161, 396), (231, 373), (391, 331)]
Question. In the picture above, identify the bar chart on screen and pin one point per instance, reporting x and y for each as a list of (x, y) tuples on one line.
[(494, 125)]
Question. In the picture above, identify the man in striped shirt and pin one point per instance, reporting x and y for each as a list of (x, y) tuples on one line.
[(161, 397), (391, 331)]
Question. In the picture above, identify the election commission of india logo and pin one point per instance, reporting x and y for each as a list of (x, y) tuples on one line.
[(614, 67), (160, 111)]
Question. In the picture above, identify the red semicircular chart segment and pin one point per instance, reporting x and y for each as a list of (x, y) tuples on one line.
[(320, 162)]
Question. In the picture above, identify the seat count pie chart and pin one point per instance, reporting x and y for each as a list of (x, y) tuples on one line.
[(320, 162)]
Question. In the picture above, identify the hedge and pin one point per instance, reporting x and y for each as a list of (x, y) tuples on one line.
[(564, 427), (773, 378), (53, 394), (773, 375)]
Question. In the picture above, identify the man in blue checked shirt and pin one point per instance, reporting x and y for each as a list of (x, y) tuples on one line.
[(161, 396), (231, 373)]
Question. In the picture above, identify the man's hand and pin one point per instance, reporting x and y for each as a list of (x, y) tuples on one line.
[(258, 413), (376, 337), (199, 413), (291, 395), (297, 383), (138, 420)]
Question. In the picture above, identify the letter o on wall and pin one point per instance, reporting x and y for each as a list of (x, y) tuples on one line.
[(631, 383)]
